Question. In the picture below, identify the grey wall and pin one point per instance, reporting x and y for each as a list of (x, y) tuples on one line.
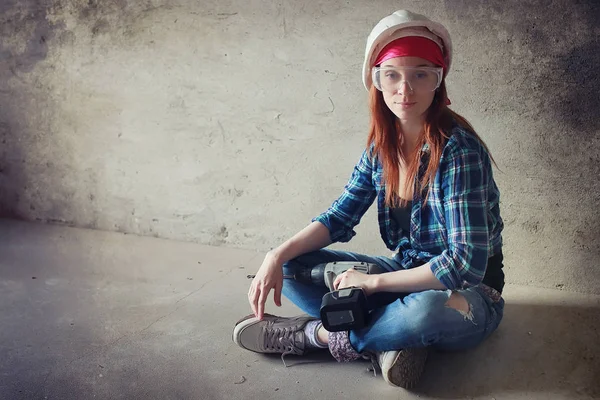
[(235, 122)]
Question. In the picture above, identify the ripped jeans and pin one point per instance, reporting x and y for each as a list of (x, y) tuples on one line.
[(404, 320)]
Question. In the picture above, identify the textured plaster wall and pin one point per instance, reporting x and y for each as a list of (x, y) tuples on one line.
[(235, 122)]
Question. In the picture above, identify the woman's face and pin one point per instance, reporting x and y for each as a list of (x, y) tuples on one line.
[(408, 104)]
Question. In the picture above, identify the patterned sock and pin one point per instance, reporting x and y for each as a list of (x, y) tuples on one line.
[(310, 331), (340, 347)]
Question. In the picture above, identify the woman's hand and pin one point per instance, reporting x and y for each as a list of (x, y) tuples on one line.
[(354, 278), (269, 276)]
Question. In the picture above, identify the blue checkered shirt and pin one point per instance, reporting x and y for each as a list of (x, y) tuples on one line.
[(456, 229)]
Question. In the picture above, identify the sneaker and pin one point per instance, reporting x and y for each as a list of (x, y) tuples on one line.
[(402, 368), (284, 335)]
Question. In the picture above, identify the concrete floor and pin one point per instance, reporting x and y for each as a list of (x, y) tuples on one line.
[(89, 314)]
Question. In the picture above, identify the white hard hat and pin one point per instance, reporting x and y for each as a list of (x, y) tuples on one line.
[(400, 24)]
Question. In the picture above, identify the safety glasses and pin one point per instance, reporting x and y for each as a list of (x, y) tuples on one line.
[(418, 79)]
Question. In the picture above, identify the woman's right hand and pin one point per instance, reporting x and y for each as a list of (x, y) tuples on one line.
[(269, 276)]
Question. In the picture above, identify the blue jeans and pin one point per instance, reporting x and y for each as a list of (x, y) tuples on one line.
[(402, 320)]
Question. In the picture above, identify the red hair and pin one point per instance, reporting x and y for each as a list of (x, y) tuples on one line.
[(386, 136)]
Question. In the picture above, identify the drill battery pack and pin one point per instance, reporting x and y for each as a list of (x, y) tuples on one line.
[(344, 309)]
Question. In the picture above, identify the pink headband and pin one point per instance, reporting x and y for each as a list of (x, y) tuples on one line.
[(413, 46)]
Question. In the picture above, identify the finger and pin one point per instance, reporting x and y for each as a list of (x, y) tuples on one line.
[(253, 298), (262, 298), (277, 293), (337, 281)]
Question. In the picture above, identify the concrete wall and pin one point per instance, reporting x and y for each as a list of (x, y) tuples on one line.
[(235, 122)]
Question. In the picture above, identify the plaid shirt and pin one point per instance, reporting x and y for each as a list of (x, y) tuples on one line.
[(456, 230)]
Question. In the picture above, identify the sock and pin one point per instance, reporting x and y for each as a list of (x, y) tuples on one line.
[(310, 331)]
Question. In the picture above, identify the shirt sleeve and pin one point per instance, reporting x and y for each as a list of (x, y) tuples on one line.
[(345, 213), (464, 187)]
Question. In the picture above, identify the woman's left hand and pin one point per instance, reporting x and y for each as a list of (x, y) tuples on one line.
[(354, 278)]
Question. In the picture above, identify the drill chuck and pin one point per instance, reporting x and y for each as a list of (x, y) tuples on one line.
[(311, 276)]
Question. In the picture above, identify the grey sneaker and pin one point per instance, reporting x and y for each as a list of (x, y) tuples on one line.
[(402, 368), (273, 334)]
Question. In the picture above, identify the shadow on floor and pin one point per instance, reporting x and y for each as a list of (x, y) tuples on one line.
[(537, 349)]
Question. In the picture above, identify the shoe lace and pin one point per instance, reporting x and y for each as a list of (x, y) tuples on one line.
[(282, 340), (374, 363)]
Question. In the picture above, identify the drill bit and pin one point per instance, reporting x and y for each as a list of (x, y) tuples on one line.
[(284, 277)]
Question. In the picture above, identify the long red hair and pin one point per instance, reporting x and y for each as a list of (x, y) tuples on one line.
[(386, 136)]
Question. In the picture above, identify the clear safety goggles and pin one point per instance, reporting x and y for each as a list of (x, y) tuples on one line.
[(417, 79)]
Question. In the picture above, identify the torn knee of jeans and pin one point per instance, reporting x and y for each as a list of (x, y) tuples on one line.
[(458, 302)]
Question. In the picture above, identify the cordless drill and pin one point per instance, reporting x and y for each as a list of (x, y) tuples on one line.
[(343, 309)]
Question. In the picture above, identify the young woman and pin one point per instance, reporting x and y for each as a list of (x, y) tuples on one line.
[(438, 210)]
